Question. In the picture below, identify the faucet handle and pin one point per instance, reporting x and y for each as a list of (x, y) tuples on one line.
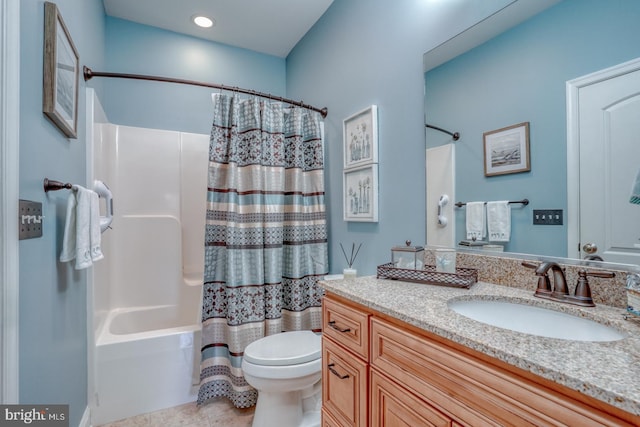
[(582, 294), (544, 284)]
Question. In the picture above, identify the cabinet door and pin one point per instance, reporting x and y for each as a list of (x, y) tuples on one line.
[(393, 406), (344, 385)]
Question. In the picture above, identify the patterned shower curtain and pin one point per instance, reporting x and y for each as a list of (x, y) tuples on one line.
[(266, 235)]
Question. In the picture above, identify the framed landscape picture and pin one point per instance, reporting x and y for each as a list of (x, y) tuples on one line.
[(506, 150), (60, 74)]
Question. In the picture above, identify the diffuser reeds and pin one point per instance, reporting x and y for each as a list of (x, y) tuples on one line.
[(354, 253)]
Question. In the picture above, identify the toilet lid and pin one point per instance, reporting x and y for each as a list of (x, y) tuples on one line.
[(287, 348)]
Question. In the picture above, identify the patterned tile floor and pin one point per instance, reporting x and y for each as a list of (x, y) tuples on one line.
[(219, 413)]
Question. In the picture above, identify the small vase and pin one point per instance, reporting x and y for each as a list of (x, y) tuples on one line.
[(349, 273)]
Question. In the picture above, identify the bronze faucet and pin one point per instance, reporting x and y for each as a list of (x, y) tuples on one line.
[(560, 292)]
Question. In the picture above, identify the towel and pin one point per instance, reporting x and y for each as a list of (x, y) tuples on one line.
[(499, 221), (476, 224), (635, 191), (81, 239)]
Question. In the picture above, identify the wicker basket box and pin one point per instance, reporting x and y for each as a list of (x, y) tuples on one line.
[(462, 278)]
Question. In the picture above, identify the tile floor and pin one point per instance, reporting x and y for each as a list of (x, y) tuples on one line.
[(218, 413)]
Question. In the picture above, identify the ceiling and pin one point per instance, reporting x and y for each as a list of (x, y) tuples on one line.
[(272, 27)]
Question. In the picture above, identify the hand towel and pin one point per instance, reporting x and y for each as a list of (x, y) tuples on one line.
[(81, 239), (476, 224), (499, 221), (635, 191)]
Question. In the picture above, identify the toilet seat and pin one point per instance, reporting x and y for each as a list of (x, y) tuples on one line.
[(285, 349)]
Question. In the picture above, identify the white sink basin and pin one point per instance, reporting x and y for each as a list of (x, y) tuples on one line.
[(535, 320)]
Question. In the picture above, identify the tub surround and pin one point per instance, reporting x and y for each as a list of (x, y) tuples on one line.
[(606, 371)]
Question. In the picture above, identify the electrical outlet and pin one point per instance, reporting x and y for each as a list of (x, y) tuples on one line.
[(29, 219), (547, 217)]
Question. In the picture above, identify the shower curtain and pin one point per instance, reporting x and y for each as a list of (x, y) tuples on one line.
[(265, 238)]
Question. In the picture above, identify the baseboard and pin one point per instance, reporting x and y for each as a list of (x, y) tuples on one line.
[(86, 418)]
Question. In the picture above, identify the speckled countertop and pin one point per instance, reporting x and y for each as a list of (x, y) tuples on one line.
[(608, 371)]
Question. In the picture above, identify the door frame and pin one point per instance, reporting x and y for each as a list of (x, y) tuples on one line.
[(573, 145), (9, 195)]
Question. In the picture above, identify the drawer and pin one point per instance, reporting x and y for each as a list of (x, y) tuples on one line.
[(346, 325), (469, 390), (392, 405), (344, 385)]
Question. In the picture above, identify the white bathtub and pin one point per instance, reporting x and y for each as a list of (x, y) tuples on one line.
[(147, 359)]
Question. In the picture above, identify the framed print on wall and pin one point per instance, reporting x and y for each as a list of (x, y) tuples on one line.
[(360, 194), (506, 150), (60, 74), (360, 138)]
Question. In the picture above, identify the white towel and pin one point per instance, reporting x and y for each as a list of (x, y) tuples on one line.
[(476, 224), (499, 221), (81, 240)]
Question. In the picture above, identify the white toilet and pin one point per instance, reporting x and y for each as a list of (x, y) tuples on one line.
[(286, 370)]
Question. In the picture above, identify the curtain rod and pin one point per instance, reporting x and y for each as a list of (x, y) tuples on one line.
[(89, 74), (455, 135)]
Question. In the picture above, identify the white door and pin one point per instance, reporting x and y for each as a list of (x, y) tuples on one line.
[(607, 122)]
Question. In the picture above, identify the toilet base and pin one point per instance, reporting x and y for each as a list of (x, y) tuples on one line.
[(286, 410)]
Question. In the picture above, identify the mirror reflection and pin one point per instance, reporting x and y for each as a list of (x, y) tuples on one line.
[(520, 76)]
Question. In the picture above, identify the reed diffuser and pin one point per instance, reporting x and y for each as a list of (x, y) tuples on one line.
[(350, 272)]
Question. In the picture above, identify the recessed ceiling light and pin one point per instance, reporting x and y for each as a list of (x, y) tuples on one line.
[(202, 21)]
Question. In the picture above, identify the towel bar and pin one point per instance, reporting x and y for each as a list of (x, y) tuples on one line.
[(524, 202)]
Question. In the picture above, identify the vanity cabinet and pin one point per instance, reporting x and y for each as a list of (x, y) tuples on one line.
[(345, 368), (416, 378)]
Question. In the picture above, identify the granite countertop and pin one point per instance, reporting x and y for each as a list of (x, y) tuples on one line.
[(608, 371)]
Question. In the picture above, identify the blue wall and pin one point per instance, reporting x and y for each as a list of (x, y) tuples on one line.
[(140, 49), (53, 298), (365, 52), (517, 77)]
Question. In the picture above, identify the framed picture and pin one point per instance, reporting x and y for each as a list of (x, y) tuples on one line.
[(360, 138), (506, 150), (60, 74), (360, 194)]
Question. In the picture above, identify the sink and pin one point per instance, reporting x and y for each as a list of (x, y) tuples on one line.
[(533, 320)]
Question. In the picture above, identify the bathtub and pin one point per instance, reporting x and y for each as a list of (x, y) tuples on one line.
[(147, 359), (145, 297)]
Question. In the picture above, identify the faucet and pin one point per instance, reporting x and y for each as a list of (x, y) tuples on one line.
[(560, 292), (560, 289)]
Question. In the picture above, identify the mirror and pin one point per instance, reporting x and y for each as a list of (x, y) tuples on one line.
[(519, 76)]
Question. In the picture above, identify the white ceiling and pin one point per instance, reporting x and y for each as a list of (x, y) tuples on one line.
[(267, 26)]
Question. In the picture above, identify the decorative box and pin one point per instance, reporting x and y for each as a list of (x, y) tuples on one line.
[(407, 256)]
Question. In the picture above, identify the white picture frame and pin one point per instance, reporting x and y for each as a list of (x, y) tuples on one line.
[(360, 138), (360, 194)]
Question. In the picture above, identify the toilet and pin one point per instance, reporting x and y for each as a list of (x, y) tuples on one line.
[(286, 370)]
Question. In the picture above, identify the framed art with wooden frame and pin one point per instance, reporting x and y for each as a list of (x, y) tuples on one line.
[(506, 150), (360, 138), (360, 194), (60, 74)]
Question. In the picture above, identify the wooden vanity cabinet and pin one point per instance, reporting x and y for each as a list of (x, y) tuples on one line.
[(345, 368), (416, 378)]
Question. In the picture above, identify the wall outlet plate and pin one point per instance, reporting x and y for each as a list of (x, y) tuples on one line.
[(29, 219), (547, 217)]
